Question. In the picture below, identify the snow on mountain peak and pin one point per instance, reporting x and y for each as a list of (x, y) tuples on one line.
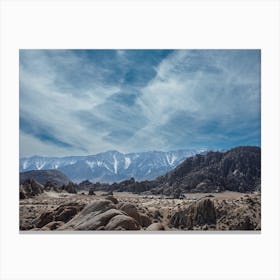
[(171, 159), (127, 162), (115, 164), (40, 164), (90, 163), (111, 166)]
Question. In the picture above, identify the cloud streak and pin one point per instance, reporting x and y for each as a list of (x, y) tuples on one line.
[(83, 102)]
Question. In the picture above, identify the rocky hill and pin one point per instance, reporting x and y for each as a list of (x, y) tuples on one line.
[(42, 176), (238, 169)]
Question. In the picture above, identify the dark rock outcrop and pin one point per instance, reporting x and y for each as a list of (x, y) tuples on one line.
[(86, 185), (91, 191), (51, 186), (21, 193), (243, 214), (44, 219), (70, 188), (197, 214), (30, 188), (132, 186), (238, 169), (42, 176)]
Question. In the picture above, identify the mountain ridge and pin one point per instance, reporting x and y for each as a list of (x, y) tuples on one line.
[(111, 166), (43, 176), (238, 169)]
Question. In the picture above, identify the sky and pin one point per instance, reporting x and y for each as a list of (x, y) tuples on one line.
[(81, 102)]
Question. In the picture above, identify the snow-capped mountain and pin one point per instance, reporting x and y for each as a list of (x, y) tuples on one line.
[(111, 166)]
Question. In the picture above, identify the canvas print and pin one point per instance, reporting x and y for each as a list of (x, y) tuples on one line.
[(140, 140)]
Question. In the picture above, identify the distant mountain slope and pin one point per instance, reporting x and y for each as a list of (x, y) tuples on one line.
[(42, 176), (238, 169), (111, 166)]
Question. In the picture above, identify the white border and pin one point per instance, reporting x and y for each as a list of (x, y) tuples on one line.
[(155, 24)]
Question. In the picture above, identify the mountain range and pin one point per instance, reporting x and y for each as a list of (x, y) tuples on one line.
[(238, 169), (111, 166)]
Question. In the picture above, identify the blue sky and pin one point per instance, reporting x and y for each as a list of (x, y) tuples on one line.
[(78, 102)]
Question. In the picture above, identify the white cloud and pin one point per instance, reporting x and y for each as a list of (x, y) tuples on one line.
[(228, 93), (63, 91), (43, 101), (30, 145)]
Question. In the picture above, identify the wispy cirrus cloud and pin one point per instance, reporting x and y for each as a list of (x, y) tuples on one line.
[(81, 102), (204, 98)]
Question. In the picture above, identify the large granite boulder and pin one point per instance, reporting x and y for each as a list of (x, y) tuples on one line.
[(103, 215), (63, 213), (89, 218), (155, 227), (197, 214), (144, 220), (129, 209), (30, 188), (124, 222)]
